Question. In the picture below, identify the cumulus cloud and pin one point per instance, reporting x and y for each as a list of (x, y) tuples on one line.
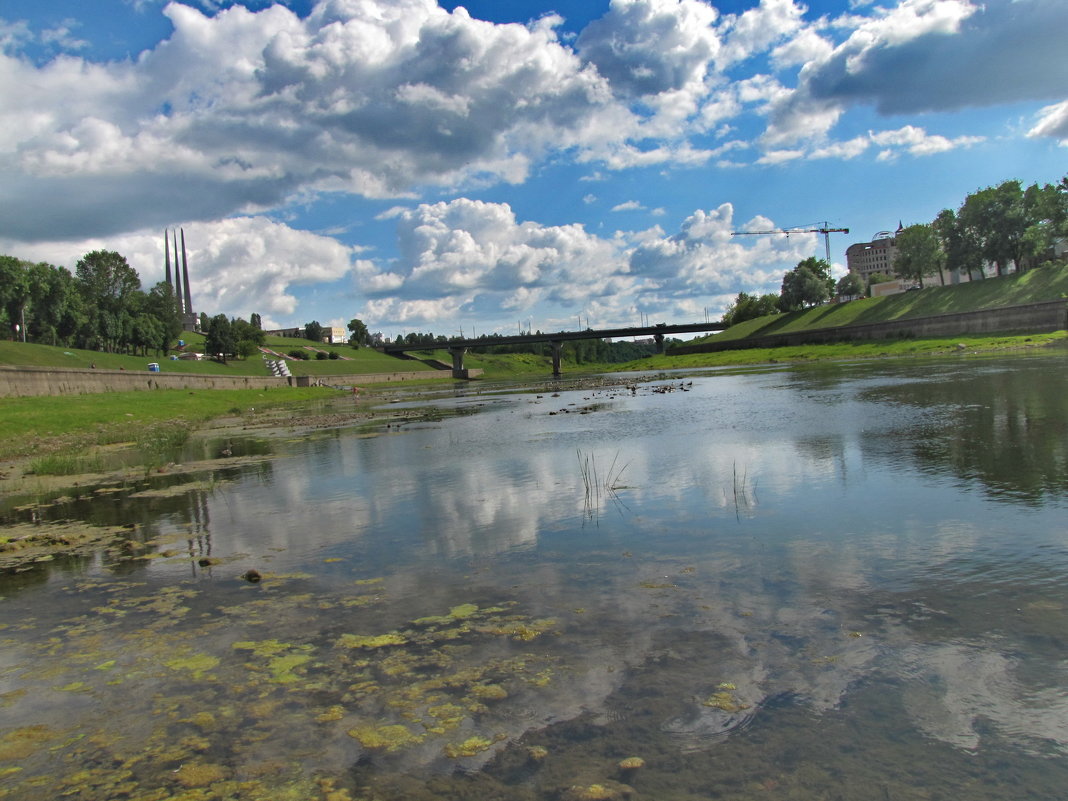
[(1052, 121), (238, 111), (468, 258), (466, 255), (931, 55), (704, 259)]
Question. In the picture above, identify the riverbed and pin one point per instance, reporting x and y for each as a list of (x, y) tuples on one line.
[(809, 582)]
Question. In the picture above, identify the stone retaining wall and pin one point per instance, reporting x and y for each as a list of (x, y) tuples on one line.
[(1030, 317), (30, 381)]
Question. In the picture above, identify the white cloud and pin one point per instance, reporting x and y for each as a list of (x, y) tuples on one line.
[(918, 142), (1053, 122), (703, 259), (241, 110), (936, 55), (630, 205)]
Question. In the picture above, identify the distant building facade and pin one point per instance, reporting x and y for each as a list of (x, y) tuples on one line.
[(292, 333), (868, 258), (335, 335)]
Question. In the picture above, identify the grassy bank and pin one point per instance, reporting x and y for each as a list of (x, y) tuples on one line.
[(847, 351), (353, 361), (39, 425), (1035, 286)]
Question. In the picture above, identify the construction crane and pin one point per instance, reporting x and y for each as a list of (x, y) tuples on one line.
[(823, 230)]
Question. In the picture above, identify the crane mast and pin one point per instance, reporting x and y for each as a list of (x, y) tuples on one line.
[(824, 230)]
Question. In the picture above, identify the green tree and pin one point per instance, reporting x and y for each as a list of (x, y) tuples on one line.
[(749, 307), (247, 337), (162, 304), (14, 294), (107, 283), (313, 331), (996, 218), (919, 253), (357, 333), (960, 244), (219, 341), (849, 285), (255, 321), (803, 286)]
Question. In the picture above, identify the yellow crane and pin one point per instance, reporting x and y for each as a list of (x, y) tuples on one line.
[(822, 230)]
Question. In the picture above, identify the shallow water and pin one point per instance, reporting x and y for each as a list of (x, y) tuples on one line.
[(835, 581)]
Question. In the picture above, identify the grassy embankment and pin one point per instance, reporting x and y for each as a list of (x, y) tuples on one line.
[(1046, 283), (352, 361)]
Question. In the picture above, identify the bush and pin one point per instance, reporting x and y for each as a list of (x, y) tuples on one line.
[(296, 354), (333, 355), (320, 356)]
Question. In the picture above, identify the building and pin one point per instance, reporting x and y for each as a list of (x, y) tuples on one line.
[(292, 333), (867, 258), (335, 335)]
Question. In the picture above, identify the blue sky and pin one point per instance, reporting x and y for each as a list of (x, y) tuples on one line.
[(433, 167)]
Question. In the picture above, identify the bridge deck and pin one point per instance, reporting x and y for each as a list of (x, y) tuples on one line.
[(561, 336)]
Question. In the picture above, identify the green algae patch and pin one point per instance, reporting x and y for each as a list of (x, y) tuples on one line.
[(371, 640), (282, 667), (22, 743), (196, 664), (262, 647), (463, 611), (26, 543), (199, 774), (470, 747), (384, 738)]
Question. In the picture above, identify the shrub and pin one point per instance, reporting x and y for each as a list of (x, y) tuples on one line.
[(296, 354), (333, 355), (320, 356)]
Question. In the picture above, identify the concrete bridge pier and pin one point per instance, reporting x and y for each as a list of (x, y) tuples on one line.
[(557, 346), (458, 362)]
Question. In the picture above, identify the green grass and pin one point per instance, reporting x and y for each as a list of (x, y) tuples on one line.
[(1045, 283), (40, 425), (362, 360), (854, 350)]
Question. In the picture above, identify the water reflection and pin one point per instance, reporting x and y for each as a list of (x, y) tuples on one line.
[(812, 581)]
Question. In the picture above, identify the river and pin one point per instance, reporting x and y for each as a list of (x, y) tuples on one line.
[(808, 582)]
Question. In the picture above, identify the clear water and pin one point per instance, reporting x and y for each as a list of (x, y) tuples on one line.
[(836, 581)]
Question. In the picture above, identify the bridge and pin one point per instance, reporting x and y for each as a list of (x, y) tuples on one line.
[(458, 347)]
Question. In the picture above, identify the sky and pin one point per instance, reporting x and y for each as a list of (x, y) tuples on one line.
[(502, 166)]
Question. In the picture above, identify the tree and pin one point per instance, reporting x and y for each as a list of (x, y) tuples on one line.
[(358, 333), (247, 337), (749, 307), (107, 283), (14, 293), (162, 304), (919, 253), (313, 331), (959, 243), (802, 287), (255, 321), (995, 217), (219, 341), (849, 285)]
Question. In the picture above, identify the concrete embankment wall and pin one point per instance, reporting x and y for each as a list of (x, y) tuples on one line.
[(1031, 317), (30, 381)]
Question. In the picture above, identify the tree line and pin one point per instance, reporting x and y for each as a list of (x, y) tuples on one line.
[(578, 351), (1005, 225), (100, 306)]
